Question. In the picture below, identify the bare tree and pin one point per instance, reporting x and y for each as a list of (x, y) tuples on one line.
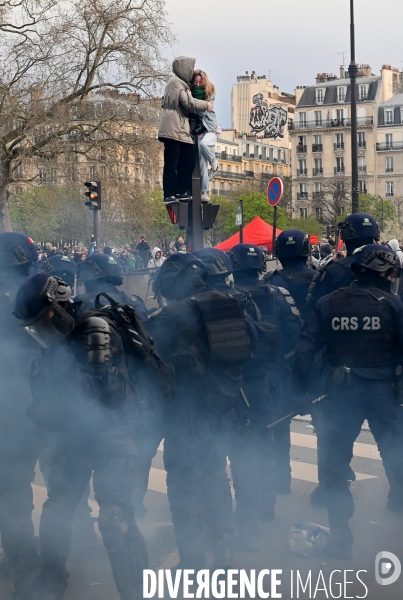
[(55, 55), (334, 200)]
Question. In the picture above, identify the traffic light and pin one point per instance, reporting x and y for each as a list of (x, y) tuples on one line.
[(93, 194), (178, 212), (209, 215)]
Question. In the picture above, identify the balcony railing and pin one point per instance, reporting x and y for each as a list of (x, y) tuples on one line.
[(317, 147), (339, 146), (214, 192), (317, 172), (301, 172), (389, 146), (230, 175), (390, 194), (226, 156), (389, 170), (249, 174), (362, 169), (362, 145), (330, 123), (301, 148), (339, 170), (317, 195), (302, 195)]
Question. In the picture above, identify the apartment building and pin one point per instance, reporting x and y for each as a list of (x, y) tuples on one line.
[(321, 135), (245, 159), (389, 148)]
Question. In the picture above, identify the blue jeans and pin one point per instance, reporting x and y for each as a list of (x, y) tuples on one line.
[(206, 156)]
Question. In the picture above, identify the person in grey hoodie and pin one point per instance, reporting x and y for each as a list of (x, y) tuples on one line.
[(174, 130)]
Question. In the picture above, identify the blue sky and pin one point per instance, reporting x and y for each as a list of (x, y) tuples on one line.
[(294, 38)]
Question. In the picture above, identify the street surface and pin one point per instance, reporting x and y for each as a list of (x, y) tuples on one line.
[(375, 529)]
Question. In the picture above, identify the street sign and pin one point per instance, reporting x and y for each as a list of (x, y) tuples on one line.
[(274, 191), (238, 216)]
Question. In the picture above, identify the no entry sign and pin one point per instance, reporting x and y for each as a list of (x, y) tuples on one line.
[(274, 191)]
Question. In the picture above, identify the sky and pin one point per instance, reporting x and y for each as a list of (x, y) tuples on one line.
[(295, 39)]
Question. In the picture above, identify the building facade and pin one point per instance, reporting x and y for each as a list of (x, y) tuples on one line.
[(389, 148), (321, 137)]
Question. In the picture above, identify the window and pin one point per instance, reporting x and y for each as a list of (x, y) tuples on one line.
[(92, 171), (317, 139), (303, 213), (237, 169), (362, 187), (252, 151), (362, 168), (318, 214), (389, 116), (389, 140), (339, 142), (340, 115), (340, 165), (363, 92), (389, 189), (221, 186), (228, 168), (226, 150), (302, 167), (302, 119), (275, 155), (41, 175), (318, 169), (234, 152), (318, 188), (320, 95), (267, 153), (361, 140), (389, 164), (341, 94), (303, 189), (318, 118)]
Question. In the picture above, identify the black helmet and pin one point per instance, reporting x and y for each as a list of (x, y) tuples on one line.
[(375, 259), (217, 262), (293, 243), (177, 273), (16, 249), (40, 304), (58, 265), (247, 257), (100, 267), (359, 225), (325, 250)]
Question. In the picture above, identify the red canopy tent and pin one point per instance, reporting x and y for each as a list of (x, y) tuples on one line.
[(257, 232)]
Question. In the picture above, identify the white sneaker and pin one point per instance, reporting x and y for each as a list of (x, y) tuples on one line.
[(205, 197), (213, 171)]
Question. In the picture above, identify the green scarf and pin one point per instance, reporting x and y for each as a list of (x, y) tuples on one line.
[(198, 92)]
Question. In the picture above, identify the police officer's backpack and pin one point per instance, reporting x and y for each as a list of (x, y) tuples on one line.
[(144, 364)]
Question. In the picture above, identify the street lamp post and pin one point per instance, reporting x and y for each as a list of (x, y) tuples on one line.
[(352, 71), (374, 197)]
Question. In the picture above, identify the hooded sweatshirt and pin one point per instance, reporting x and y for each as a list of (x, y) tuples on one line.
[(156, 262), (394, 245), (177, 103)]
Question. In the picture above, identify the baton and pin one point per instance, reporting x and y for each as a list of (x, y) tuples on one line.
[(244, 398), (294, 414)]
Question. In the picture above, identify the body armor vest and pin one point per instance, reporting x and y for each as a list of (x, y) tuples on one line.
[(298, 283), (360, 331), (226, 327), (263, 296)]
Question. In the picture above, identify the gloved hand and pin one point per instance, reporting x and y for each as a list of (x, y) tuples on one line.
[(302, 404)]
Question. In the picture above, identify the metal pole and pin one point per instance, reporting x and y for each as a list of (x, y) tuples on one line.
[(95, 211), (352, 70), (194, 238), (241, 226), (273, 250)]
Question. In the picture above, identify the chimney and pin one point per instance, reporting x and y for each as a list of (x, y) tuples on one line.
[(342, 76)]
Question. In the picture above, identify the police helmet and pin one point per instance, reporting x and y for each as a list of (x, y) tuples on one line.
[(359, 225), (325, 250), (16, 249), (247, 257), (293, 243), (375, 259), (216, 261), (40, 304), (58, 265), (100, 266), (174, 272)]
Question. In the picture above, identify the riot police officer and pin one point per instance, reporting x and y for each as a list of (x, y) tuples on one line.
[(292, 249), (82, 391), (278, 309), (361, 328), (204, 334), (61, 266), (356, 230), (101, 273), (21, 441)]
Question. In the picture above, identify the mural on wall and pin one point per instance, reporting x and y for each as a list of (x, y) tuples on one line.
[(269, 120)]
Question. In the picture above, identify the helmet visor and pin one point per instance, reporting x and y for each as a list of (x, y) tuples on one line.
[(51, 326)]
